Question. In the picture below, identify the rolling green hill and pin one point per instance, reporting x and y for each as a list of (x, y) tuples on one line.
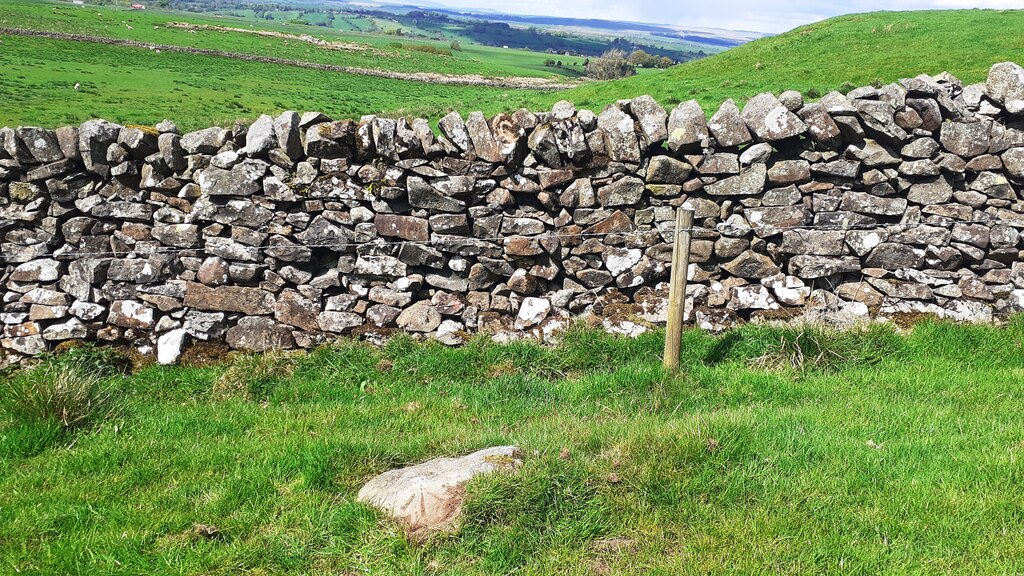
[(859, 49)]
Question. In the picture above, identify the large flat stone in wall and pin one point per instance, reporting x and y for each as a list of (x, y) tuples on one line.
[(728, 127), (1005, 83), (260, 334), (241, 180), (865, 203), (131, 314), (769, 120), (749, 182), (687, 127), (966, 138), (229, 299), (772, 220), (810, 267), (750, 264), (935, 191), (814, 242), (619, 131), (891, 256), (404, 227), (624, 192)]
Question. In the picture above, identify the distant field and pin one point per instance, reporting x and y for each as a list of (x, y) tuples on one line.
[(502, 30), (142, 86)]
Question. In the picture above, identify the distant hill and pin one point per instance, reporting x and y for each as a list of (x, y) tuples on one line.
[(711, 36), (432, 21), (857, 49)]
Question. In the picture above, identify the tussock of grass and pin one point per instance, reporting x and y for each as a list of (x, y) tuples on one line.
[(812, 347), (972, 345), (66, 395), (97, 361), (548, 503), (255, 376), (859, 452)]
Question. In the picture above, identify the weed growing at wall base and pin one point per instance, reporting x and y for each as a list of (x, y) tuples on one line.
[(807, 347)]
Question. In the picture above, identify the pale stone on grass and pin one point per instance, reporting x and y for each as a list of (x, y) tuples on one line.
[(427, 498)]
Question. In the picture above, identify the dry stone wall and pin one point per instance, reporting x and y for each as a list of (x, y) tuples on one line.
[(297, 229)]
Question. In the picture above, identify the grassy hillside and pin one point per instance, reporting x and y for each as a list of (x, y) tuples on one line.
[(366, 50), (859, 49), (138, 86), (896, 455), (131, 85)]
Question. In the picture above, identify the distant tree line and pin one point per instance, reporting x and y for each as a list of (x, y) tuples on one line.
[(499, 34)]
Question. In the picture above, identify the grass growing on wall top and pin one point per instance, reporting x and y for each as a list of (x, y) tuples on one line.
[(903, 457)]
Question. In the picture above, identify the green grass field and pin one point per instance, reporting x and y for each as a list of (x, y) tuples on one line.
[(859, 49), (132, 85), (139, 86), (149, 26), (897, 454)]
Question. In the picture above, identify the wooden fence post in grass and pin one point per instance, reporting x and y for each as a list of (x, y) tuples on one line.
[(677, 288)]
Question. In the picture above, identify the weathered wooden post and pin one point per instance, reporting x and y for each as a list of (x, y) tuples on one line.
[(677, 288)]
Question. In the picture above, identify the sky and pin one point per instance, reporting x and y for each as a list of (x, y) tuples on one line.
[(753, 15)]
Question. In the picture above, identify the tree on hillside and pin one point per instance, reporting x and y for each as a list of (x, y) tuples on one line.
[(642, 59), (611, 65), (455, 45), (639, 58)]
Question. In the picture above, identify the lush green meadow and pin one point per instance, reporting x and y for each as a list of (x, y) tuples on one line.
[(855, 50), (139, 86), (881, 453), (381, 52), (131, 85)]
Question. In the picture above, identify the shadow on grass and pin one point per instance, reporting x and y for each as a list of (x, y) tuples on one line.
[(25, 440), (723, 349)]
